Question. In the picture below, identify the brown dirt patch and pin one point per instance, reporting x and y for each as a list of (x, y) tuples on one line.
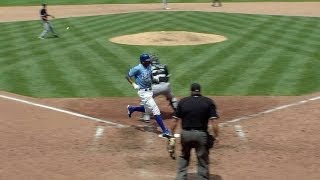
[(21, 13), (41, 143), (168, 38)]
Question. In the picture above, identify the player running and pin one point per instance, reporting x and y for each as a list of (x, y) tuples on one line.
[(142, 82), (160, 85)]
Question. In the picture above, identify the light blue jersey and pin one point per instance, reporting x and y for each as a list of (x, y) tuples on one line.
[(142, 75)]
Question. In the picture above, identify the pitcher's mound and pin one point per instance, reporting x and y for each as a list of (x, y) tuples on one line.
[(168, 38)]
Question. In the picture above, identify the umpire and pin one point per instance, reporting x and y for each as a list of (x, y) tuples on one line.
[(197, 114)]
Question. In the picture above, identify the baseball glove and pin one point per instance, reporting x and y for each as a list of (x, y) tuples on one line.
[(171, 147)]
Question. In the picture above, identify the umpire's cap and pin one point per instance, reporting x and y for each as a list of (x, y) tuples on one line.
[(195, 87)]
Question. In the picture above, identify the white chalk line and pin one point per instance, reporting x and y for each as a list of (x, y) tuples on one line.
[(238, 128), (267, 111), (99, 132), (240, 132), (64, 111)]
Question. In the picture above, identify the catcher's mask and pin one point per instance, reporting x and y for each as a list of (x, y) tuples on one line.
[(145, 60), (154, 59)]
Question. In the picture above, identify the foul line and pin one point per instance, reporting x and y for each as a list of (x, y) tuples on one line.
[(268, 111), (64, 111)]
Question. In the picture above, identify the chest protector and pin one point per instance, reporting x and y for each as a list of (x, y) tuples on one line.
[(159, 73)]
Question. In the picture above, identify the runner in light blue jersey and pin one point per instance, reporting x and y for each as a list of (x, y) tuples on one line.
[(142, 82)]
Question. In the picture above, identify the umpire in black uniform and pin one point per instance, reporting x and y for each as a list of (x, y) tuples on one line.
[(198, 131)]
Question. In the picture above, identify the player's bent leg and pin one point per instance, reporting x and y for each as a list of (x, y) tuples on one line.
[(132, 109), (146, 115), (156, 112)]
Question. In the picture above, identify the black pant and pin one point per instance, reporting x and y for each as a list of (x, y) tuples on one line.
[(198, 140)]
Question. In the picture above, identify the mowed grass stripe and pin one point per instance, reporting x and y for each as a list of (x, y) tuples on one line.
[(284, 67), (20, 64), (273, 76), (13, 58), (238, 64), (28, 30), (86, 63), (100, 53), (286, 39), (102, 65), (233, 46), (209, 63), (288, 81), (272, 30), (53, 71), (247, 78), (309, 79)]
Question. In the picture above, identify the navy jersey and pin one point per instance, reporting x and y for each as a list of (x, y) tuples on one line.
[(43, 14)]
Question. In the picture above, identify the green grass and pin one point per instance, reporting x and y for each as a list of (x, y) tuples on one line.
[(37, 2), (264, 55)]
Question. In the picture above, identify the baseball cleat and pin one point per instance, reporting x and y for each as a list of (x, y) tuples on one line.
[(166, 134), (130, 111), (147, 120)]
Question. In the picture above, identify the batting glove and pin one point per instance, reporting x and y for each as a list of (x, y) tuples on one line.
[(135, 86)]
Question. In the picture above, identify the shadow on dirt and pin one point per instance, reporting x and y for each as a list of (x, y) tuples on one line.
[(166, 115), (192, 176), (147, 128)]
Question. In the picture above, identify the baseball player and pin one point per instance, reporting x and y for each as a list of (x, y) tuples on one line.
[(165, 4), (216, 3), (160, 85), (47, 26), (142, 82)]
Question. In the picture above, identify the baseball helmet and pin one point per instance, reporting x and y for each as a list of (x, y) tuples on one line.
[(144, 58)]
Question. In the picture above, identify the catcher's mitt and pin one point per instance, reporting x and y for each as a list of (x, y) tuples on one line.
[(171, 147)]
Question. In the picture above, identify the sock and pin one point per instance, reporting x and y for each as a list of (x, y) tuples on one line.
[(138, 108)]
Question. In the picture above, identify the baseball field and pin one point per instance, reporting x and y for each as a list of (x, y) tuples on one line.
[(64, 99)]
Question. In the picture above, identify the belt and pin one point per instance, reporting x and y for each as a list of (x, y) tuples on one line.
[(145, 89)]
